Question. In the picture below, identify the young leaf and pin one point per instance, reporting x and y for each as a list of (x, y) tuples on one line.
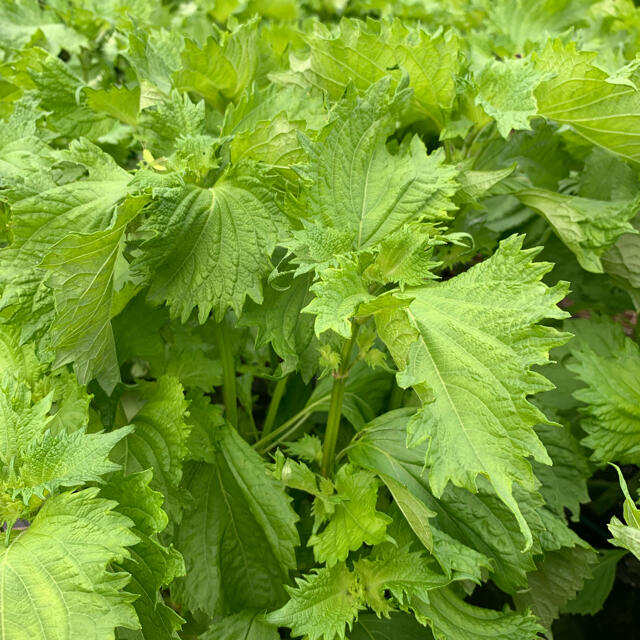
[(612, 397), (355, 520), (627, 534), (322, 605)]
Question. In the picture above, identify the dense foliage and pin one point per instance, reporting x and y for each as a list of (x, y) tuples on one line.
[(283, 349)]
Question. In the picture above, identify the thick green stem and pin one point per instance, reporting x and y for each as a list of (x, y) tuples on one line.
[(274, 405), (396, 397), (229, 396), (335, 405)]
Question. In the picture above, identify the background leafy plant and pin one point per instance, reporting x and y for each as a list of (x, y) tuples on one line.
[(284, 352)]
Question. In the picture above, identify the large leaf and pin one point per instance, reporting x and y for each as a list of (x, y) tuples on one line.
[(42, 220), (359, 188), (209, 247), (580, 94), (55, 580), (239, 535), (463, 521), (474, 375)]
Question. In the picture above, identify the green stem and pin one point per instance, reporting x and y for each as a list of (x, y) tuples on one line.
[(274, 405), (448, 150), (335, 406), (287, 428), (396, 397), (228, 373)]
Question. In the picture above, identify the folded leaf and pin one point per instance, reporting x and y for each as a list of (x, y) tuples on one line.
[(451, 618), (587, 227), (151, 565), (468, 529), (159, 439)]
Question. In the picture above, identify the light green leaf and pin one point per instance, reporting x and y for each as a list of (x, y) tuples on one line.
[(355, 520), (63, 460), (506, 92), (118, 102), (612, 396), (322, 605), (358, 186), (21, 421), (274, 142), (82, 272), (159, 439), (338, 294), (451, 618), (627, 534), (55, 581), (241, 522), (21, 150), (59, 95), (223, 67), (405, 257), (404, 574), (579, 94), (353, 53), (172, 118), (42, 220), (474, 376), (21, 20), (198, 236), (587, 227), (432, 64)]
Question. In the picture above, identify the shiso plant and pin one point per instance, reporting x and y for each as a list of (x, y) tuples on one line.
[(317, 319)]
